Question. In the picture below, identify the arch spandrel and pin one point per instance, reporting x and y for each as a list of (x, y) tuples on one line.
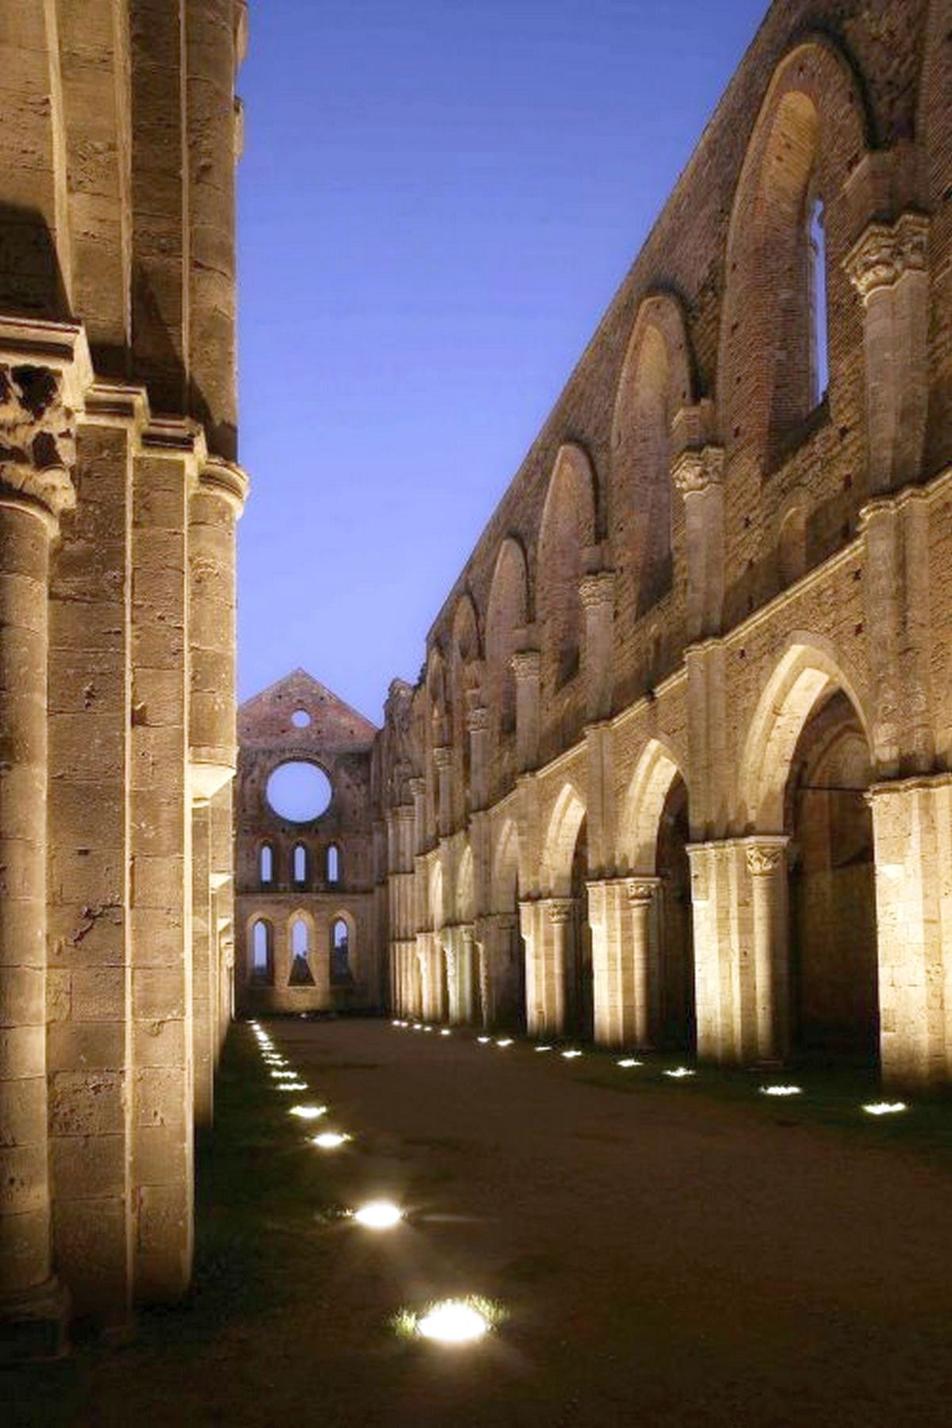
[(562, 830), (655, 773)]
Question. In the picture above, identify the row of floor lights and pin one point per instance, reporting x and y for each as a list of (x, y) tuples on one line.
[(676, 1073), (448, 1321)]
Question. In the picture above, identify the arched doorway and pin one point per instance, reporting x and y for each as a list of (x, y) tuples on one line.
[(579, 982), (677, 1023), (834, 1001)]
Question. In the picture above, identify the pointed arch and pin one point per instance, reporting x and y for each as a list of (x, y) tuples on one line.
[(565, 821), (655, 773), (566, 529), (656, 382), (435, 894), (507, 615), (808, 672), (465, 906), (505, 872), (812, 128)]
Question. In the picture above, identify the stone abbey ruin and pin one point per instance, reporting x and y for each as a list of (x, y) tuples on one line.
[(678, 771)]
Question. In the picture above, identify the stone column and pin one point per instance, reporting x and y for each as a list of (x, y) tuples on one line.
[(641, 893), (498, 970), (527, 669), (443, 759), (597, 593), (417, 787), (725, 989), (698, 473), (912, 831), (607, 913), (477, 725), (549, 957), (204, 979), (36, 460), (469, 977), (888, 267), (767, 865)]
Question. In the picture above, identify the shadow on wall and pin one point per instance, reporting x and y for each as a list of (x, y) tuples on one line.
[(31, 279)]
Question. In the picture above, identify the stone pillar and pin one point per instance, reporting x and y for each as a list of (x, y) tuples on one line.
[(548, 930), (37, 454), (640, 892), (606, 917), (417, 787), (469, 977), (767, 865), (698, 473), (597, 593), (498, 970), (725, 990), (912, 831), (204, 977), (527, 669), (888, 267), (477, 725), (443, 759)]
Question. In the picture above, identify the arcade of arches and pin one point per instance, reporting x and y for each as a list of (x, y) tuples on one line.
[(678, 768)]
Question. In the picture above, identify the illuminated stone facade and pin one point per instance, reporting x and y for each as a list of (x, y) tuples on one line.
[(677, 772), (309, 903), (119, 495)]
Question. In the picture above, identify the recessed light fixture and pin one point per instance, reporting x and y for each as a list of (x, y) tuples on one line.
[(330, 1140), (679, 1073), (781, 1090), (570, 1055), (627, 1062), (379, 1215), (453, 1321), (504, 1041), (885, 1108), (307, 1113)]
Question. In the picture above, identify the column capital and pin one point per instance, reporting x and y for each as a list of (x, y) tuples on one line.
[(597, 590), (765, 855), (558, 909), (477, 719), (226, 480), (404, 813), (697, 468), (885, 251), (37, 440), (417, 787), (526, 664), (443, 757), (641, 890)]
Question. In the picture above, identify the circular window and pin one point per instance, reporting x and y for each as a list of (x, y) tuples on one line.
[(299, 792), (300, 718)]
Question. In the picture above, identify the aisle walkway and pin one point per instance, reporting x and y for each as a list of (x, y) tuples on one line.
[(666, 1257)]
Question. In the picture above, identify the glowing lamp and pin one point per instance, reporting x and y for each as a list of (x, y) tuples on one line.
[(628, 1061), (291, 1086), (679, 1073), (504, 1041), (330, 1140), (542, 1048), (570, 1055), (453, 1322), (445, 1031), (308, 1113), (484, 1040), (781, 1090), (378, 1215), (885, 1108)]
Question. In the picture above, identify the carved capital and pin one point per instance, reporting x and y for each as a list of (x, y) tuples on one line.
[(697, 468), (477, 720), (37, 437), (559, 909), (443, 757), (526, 664), (763, 859), (641, 891), (227, 481), (404, 813), (417, 786), (886, 251), (597, 590)]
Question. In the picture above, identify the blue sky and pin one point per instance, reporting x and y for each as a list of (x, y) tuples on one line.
[(437, 200)]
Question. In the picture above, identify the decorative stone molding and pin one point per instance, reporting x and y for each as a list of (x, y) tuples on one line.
[(641, 891), (886, 251), (697, 468), (37, 437), (443, 757), (417, 787), (559, 909), (526, 664), (597, 590), (227, 480), (477, 720), (765, 858)]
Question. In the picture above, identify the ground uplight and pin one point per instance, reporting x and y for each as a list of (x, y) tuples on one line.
[(504, 1041), (307, 1113), (885, 1108), (484, 1040), (679, 1073), (627, 1062), (378, 1215), (291, 1086), (570, 1055), (445, 1031), (542, 1048), (781, 1090), (284, 1075), (330, 1140)]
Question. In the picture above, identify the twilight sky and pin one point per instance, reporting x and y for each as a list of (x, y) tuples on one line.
[(437, 201)]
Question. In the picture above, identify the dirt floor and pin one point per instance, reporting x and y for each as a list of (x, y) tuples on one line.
[(666, 1252)]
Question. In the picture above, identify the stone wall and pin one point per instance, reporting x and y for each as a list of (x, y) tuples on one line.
[(704, 633), (118, 500), (316, 873)]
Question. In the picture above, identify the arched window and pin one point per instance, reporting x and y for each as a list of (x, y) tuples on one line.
[(333, 864), (568, 521), (301, 975), (340, 952), (299, 862), (261, 959), (816, 258), (507, 615), (266, 864)]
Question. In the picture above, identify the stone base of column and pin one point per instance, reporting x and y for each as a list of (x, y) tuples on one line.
[(33, 1325)]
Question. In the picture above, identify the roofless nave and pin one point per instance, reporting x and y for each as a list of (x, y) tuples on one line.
[(678, 768)]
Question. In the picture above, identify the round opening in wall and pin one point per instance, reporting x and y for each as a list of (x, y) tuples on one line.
[(299, 792), (300, 719)]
